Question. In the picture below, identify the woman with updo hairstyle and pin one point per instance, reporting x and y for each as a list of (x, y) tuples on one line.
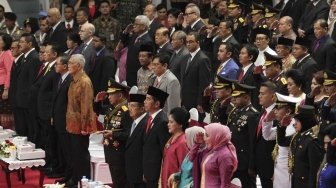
[(73, 42), (176, 147), (296, 84)]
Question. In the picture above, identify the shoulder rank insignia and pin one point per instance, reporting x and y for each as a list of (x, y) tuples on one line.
[(283, 81), (124, 108), (241, 20)]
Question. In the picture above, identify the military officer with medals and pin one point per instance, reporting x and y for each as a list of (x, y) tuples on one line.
[(258, 16), (117, 123), (10, 26), (242, 121), (221, 106), (236, 13)]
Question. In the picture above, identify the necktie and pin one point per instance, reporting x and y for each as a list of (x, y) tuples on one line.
[(172, 57), (188, 63), (40, 70), (84, 47), (133, 127), (68, 26), (260, 123), (317, 45), (59, 83), (157, 82), (149, 122), (220, 68), (241, 75)]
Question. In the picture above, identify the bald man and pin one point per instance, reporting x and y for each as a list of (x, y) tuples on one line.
[(57, 33), (86, 33)]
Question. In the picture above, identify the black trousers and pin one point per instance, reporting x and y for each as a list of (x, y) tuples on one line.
[(23, 122), (81, 156), (64, 149), (116, 161), (20, 127)]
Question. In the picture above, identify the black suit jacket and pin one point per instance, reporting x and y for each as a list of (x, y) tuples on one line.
[(133, 153), (294, 9), (59, 36), (194, 80), (75, 25), (250, 79), (60, 103), (264, 163), (167, 49), (26, 78), (45, 94), (325, 54), (176, 61), (310, 14), (103, 68), (15, 70), (308, 67), (132, 62), (154, 142)]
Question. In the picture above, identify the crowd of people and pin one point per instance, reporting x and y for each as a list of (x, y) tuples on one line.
[(264, 73)]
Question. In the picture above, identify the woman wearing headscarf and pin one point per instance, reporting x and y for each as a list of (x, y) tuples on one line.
[(305, 152), (184, 178), (327, 176), (215, 163), (176, 148)]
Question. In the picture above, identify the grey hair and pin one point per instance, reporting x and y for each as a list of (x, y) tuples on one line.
[(90, 27), (79, 58), (180, 35), (143, 20), (194, 8)]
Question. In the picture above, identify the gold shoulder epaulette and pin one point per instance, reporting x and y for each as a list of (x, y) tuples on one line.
[(124, 108), (283, 81), (241, 20)]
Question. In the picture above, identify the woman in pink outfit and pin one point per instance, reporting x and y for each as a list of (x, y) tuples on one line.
[(217, 160), (6, 61), (176, 147)]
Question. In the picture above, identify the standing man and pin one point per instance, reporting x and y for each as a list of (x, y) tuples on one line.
[(140, 36), (117, 123), (162, 41), (195, 74), (242, 121), (69, 18), (107, 26), (28, 72), (167, 82), (193, 19), (145, 75), (262, 40), (57, 32), (178, 42), (79, 123), (82, 16), (154, 24), (134, 144), (156, 136), (59, 106), (86, 33)]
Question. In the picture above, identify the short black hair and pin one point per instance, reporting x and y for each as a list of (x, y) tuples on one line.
[(297, 77), (252, 50), (85, 10), (174, 12), (74, 36), (101, 37), (30, 38), (163, 58), (55, 48), (229, 24), (161, 6), (181, 116), (196, 35), (7, 39), (104, 1), (228, 46)]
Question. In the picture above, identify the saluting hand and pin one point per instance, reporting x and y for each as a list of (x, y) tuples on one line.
[(286, 120), (100, 96)]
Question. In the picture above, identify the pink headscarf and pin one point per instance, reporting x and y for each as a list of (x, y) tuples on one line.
[(220, 135)]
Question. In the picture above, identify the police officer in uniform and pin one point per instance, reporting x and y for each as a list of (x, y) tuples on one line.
[(242, 121), (117, 123), (305, 152), (236, 13), (221, 106), (258, 16), (10, 27)]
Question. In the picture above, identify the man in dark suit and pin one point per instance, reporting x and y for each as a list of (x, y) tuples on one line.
[(134, 144), (46, 133), (154, 24), (104, 66), (162, 41), (15, 70), (264, 164), (324, 48), (140, 36), (59, 107), (25, 79), (86, 33), (304, 62), (178, 41), (69, 18), (156, 136), (195, 74), (314, 10), (193, 19), (57, 33)]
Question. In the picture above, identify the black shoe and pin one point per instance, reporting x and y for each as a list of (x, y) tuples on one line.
[(55, 175), (70, 183)]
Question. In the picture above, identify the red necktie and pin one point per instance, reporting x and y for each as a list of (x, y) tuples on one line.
[(68, 26), (149, 122), (40, 70), (260, 123), (241, 75)]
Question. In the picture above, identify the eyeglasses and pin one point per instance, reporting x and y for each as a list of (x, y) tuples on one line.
[(187, 14)]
